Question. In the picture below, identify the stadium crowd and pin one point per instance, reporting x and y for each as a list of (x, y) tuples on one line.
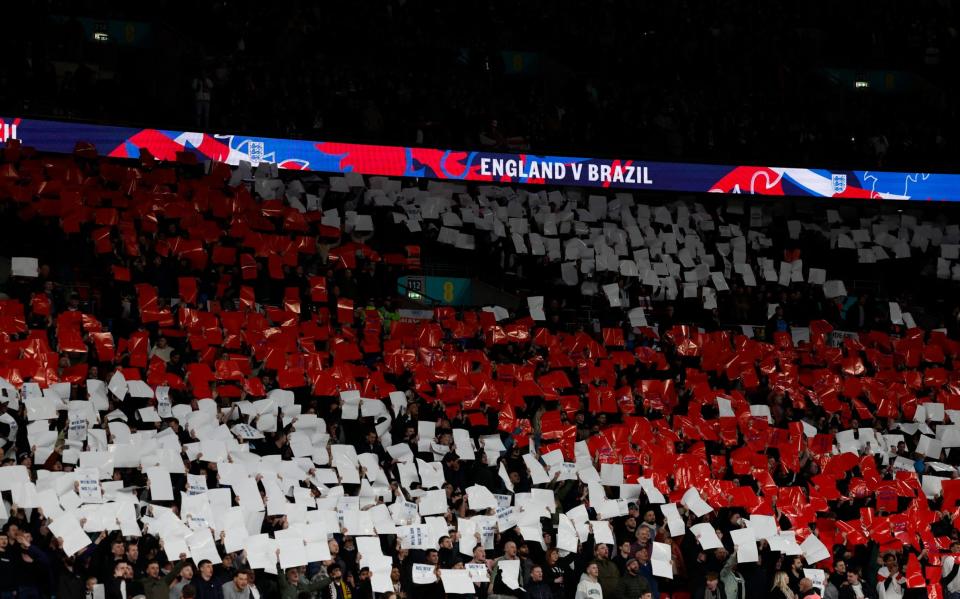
[(210, 390), (733, 82)]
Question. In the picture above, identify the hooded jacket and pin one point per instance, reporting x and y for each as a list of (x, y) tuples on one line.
[(588, 588)]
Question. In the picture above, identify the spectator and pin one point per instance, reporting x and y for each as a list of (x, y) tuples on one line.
[(270, 391), (853, 587), (733, 581), (631, 583), (497, 588), (713, 588), (781, 587), (238, 588), (537, 588), (949, 580), (184, 577), (607, 573), (859, 314), (339, 588), (208, 585), (894, 584), (291, 584), (807, 591), (589, 586), (202, 94), (155, 586), (120, 585), (645, 570), (8, 572), (777, 323), (161, 350), (623, 556)]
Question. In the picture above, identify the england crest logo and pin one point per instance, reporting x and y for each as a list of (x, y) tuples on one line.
[(256, 152), (839, 183)]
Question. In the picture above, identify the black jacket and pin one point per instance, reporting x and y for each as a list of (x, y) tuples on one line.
[(846, 591), (539, 590), (701, 592), (112, 589), (208, 589)]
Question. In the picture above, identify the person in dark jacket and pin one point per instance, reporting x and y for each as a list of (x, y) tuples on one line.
[(71, 584), (291, 584), (156, 586), (339, 587), (208, 586), (632, 585), (106, 555), (645, 571), (854, 587), (777, 323), (8, 577), (538, 588), (609, 573), (712, 588), (33, 570), (122, 585), (364, 584)]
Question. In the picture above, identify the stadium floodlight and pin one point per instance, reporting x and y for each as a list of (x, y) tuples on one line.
[(861, 84)]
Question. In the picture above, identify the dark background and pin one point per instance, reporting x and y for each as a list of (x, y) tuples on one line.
[(745, 81)]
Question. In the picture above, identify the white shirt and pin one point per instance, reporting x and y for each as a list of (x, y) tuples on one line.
[(894, 592), (162, 352), (954, 585)]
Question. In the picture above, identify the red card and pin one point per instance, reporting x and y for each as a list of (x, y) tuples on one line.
[(247, 298), (103, 342), (318, 289), (224, 255), (915, 578), (188, 289), (121, 273), (344, 311), (248, 267)]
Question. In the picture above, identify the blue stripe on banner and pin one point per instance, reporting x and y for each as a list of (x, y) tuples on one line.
[(490, 167)]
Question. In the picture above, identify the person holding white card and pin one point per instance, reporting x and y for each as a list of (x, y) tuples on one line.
[(499, 588), (291, 584), (538, 588), (732, 580)]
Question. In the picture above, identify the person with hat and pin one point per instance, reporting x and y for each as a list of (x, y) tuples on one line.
[(631, 584)]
